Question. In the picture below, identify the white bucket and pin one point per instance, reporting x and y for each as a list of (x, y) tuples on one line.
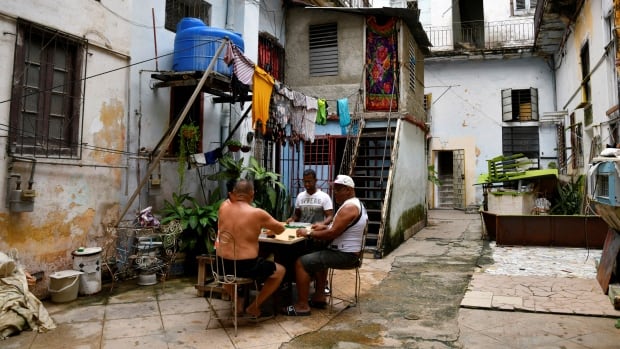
[(64, 285), (88, 261)]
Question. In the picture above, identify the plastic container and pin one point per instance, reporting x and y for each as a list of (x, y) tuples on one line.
[(88, 261), (195, 45), (64, 285)]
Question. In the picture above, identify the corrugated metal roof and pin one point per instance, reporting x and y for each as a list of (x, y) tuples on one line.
[(409, 16)]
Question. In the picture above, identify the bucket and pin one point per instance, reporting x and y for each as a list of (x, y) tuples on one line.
[(195, 45), (88, 261), (64, 285)]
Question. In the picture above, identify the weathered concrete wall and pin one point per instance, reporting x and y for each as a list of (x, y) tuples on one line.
[(591, 26), (75, 199), (467, 107)]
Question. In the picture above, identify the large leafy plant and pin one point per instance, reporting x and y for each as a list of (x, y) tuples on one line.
[(199, 222), (269, 192), (570, 198)]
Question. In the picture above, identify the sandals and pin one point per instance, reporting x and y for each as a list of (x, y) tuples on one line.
[(291, 311), (317, 304)]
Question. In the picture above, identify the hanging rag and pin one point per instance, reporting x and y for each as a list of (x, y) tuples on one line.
[(321, 113), (343, 114), (243, 67), (310, 118), (263, 86)]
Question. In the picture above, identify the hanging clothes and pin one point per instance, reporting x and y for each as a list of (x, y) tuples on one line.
[(298, 113), (321, 113), (243, 67), (343, 115), (310, 118), (263, 86)]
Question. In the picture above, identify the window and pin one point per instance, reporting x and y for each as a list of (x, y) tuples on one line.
[(411, 67), (576, 140), (316, 153), (428, 98), (46, 97), (521, 140), (523, 7), (271, 56), (177, 9), (520, 105), (323, 41)]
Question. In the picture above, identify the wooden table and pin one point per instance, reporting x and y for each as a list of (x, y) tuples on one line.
[(288, 237)]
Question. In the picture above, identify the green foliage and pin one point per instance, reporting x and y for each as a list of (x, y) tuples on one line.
[(570, 198), (233, 142), (433, 176), (269, 192), (199, 222), (189, 136), (229, 169)]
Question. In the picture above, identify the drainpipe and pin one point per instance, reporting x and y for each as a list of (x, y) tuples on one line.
[(224, 123), (230, 15)]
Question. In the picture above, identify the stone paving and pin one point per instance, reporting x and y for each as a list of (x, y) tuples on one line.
[(540, 279), (546, 307)]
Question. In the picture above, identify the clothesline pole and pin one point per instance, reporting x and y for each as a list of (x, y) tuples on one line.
[(170, 135)]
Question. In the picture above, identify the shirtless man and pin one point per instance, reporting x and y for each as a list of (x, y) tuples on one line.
[(244, 222)]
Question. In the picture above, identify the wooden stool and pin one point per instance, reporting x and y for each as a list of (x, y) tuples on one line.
[(200, 286)]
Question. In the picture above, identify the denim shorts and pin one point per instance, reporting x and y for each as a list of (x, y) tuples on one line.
[(325, 259)]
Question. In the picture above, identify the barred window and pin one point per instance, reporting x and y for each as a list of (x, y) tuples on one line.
[(46, 99), (177, 9)]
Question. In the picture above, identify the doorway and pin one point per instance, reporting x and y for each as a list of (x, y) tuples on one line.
[(450, 193)]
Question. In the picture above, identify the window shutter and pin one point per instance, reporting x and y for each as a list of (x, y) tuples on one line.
[(534, 100), (533, 4), (323, 41), (507, 105)]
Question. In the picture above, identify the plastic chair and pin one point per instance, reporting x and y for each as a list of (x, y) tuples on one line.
[(226, 278), (352, 302)]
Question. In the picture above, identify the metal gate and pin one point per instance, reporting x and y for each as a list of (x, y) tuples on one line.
[(458, 179)]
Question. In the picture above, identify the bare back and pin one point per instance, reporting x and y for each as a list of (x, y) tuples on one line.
[(244, 222)]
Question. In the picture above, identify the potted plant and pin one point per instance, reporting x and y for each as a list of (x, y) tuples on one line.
[(233, 145), (229, 169), (199, 223), (189, 136), (246, 148), (270, 193)]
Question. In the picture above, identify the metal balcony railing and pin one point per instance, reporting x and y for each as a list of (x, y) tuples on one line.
[(481, 35)]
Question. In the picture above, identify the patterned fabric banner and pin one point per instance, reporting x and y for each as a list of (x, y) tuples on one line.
[(381, 64)]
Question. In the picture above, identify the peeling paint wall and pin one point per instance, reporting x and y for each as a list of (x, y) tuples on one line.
[(593, 26), (75, 199), (467, 107)]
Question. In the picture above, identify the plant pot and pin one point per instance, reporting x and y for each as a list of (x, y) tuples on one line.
[(234, 148), (246, 148), (188, 133)]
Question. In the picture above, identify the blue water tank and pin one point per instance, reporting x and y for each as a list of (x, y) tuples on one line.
[(196, 43)]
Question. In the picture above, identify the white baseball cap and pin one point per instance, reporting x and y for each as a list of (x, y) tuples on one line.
[(344, 180)]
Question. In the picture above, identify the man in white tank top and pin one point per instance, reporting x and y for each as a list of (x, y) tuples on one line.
[(346, 233)]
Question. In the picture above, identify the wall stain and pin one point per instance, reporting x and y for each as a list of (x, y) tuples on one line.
[(408, 219)]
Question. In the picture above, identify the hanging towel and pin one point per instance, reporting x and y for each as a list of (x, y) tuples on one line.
[(310, 118), (263, 86), (321, 114), (343, 114), (243, 67)]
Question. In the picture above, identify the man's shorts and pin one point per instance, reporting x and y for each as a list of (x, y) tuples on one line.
[(325, 259), (257, 268)]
